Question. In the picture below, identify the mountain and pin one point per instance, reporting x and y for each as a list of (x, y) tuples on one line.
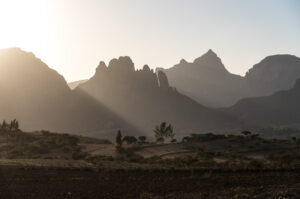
[(29, 88), (207, 81), (144, 99), (40, 99), (73, 85), (273, 73), (281, 108)]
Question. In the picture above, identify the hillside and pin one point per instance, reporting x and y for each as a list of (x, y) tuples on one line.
[(281, 108)]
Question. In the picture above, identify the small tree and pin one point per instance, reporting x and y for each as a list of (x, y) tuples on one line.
[(17, 125), (246, 133), (142, 139), (119, 138), (14, 125), (129, 139), (186, 139), (163, 131), (4, 125), (174, 140), (160, 140)]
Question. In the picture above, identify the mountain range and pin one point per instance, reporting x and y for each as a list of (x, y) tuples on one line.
[(144, 98), (208, 81), (120, 97)]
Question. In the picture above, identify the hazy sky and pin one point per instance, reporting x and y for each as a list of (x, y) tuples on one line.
[(72, 36)]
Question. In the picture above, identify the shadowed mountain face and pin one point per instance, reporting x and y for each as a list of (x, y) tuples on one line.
[(40, 99), (145, 99), (29, 89), (207, 80), (274, 73), (281, 108)]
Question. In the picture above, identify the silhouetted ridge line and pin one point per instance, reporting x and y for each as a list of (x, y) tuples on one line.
[(208, 81), (145, 98)]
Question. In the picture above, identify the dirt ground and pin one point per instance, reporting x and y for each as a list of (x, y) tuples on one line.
[(65, 183)]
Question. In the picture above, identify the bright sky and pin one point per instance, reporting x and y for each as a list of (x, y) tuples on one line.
[(72, 36)]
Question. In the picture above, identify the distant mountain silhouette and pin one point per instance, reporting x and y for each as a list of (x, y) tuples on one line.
[(145, 98), (207, 80), (73, 85), (116, 97), (281, 108), (40, 99), (273, 73)]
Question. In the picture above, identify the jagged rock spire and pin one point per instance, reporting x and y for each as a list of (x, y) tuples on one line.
[(163, 80), (123, 64), (101, 67), (146, 68)]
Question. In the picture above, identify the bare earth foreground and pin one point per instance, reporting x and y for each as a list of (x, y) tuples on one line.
[(50, 182)]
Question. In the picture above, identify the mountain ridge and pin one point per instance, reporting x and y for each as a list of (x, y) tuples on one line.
[(124, 89), (209, 82)]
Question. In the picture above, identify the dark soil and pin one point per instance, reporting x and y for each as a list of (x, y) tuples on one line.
[(43, 183)]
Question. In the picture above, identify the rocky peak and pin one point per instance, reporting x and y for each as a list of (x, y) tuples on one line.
[(163, 80), (101, 67), (16, 66), (122, 64), (210, 59), (146, 68), (209, 55), (183, 61), (275, 66)]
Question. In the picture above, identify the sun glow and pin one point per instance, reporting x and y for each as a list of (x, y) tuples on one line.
[(24, 23)]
